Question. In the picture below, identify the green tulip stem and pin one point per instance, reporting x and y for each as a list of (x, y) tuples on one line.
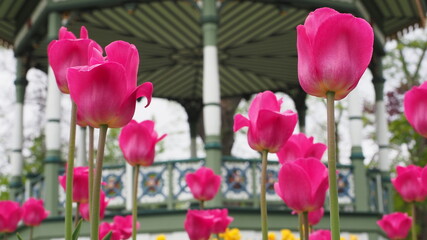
[(264, 224), (97, 182), (90, 163), (305, 225), (70, 173), (202, 204), (333, 190), (301, 225), (77, 217), (413, 225), (135, 201), (31, 233)]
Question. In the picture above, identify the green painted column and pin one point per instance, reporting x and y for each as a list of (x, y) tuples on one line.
[(355, 109), (211, 92), (381, 125), (17, 159), (53, 161)]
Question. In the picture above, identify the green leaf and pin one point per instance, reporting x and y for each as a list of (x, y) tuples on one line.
[(108, 236), (77, 230), (19, 236)]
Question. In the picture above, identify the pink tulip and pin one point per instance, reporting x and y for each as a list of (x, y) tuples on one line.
[(314, 217), (121, 228), (221, 220), (334, 50), (124, 224), (395, 225), (411, 183), (269, 129), (34, 212), (415, 103), (138, 141), (105, 228), (84, 207), (302, 184), (80, 184), (105, 92), (198, 224), (69, 52), (203, 183), (320, 235), (299, 146), (10, 215)]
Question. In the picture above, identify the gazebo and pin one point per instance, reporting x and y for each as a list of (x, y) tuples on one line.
[(203, 55)]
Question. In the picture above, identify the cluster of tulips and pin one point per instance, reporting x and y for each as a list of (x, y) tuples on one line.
[(334, 51), (103, 91), (411, 181), (32, 213)]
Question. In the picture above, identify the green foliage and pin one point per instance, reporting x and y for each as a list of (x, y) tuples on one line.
[(34, 163), (113, 154), (76, 231), (4, 188)]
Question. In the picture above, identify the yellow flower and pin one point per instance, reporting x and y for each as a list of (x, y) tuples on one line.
[(161, 237), (353, 237), (271, 236), (231, 234), (287, 235)]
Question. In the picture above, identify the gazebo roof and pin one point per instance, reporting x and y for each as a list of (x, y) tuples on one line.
[(256, 39)]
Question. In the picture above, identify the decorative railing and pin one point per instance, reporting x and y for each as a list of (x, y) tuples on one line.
[(163, 185)]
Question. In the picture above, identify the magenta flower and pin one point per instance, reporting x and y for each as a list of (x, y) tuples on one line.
[(269, 129), (320, 235), (138, 141), (124, 224), (415, 103), (10, 215), (85, 211), (221, 220), (302, 184), (68, 52), (396, 225), (198, 224), (80, 183), (315, 216), (299, 146), (105, 92), (411, 183), (105, 228), (203, 183), (121, 228), (33, 212), (334, 50)]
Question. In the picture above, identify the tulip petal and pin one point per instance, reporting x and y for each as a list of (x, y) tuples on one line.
[(407, 186), (342, 50), (307, 74), (65, 34), (145, 90), (295, 187), (317, 150), (415, 105), (239, 122), (316, 18), (127, 55), (273, 130), (265, 100), (291, 151), (97, 91), (83, 33)]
